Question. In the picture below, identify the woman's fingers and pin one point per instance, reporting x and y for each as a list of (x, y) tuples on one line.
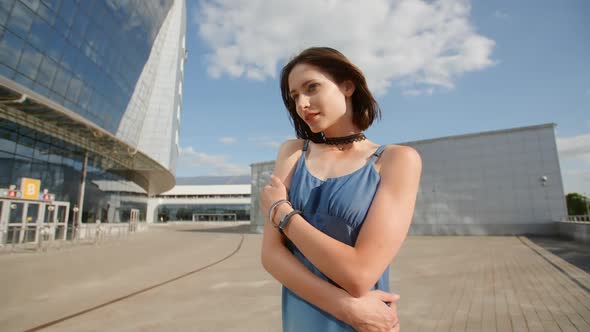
[(386, 297)]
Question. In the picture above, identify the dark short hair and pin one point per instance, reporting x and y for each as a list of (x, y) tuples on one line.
[(365, 107)]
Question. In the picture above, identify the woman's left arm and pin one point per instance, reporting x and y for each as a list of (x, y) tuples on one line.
[(357, 269)]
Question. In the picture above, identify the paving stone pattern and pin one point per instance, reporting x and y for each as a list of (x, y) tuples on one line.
[(446, 284)]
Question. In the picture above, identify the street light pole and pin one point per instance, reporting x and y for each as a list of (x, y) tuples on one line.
[(586, 201)]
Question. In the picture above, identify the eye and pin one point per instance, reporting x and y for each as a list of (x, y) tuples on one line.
[(313, 86), (294, 97)]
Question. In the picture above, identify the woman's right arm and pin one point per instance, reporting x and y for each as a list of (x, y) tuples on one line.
[(367, 313)]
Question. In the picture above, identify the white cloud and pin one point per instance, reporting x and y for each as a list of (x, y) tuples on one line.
[(227, 140), (576, 147), (502, 15), (266, 142), (198, 162), (416, 44), (418, 92)]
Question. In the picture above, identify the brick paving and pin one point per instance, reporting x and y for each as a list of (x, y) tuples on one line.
[(446, 284)]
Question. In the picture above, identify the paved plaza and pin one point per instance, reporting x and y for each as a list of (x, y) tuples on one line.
[(209, 278)]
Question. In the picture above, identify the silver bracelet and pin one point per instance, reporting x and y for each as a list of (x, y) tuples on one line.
[(272, 210), (285, 221)]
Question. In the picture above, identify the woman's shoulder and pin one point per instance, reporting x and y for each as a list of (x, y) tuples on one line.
[(291, 145), (398, 157), (290, 150)]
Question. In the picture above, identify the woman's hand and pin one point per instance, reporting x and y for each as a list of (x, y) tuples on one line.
[(369, 313), (271, 193)]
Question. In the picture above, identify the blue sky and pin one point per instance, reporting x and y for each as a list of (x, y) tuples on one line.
[(438, 68)]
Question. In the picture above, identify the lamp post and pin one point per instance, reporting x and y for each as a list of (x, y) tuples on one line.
[(75, 222), (586, 201)]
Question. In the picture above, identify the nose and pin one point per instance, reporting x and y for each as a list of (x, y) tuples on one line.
[(302, 102)]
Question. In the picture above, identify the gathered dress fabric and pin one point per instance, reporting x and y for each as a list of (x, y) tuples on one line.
[(337, 207)]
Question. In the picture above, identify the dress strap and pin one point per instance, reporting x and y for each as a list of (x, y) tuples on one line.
[(305, 145), (378, 152)]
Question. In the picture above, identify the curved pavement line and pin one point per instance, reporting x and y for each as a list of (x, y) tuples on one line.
[(79, 313), (564, 272)]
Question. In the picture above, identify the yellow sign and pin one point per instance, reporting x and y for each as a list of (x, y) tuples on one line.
[(30, 188)]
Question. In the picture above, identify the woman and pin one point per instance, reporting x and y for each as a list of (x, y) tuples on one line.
[(339, 206)]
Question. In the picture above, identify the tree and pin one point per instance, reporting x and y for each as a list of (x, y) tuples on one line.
[(577, 204)]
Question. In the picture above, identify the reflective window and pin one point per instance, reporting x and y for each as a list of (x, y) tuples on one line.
[(20, 20), (86, 55), (74, 89), (61, 81), (32, 4), (67, 10), (53, 4), (46, 72), (29, 61), (10, 49), (46, 13), (7, 141)]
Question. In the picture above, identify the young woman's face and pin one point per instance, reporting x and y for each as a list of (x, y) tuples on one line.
[(319, 101)]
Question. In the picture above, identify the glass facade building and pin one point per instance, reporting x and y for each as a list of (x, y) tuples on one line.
[(86, 85)]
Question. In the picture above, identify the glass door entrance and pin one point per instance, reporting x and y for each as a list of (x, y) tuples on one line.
[(24, 221)]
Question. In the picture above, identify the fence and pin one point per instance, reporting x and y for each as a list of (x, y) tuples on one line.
[(42, 237)]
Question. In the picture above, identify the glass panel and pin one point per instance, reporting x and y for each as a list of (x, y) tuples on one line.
[(16, 213), (85, 96), (70, 57), (24, 146), (6, 5), (7, 141), (6, 163), (20, 20), (5, 71), (46, 72), (29, 61), (61, 214), (67, 11), (61, 81), (53, 4), (49, 214), (74, 89), (46, 13), (23, 80), (3, 17), (61, 27), (54, 45), (32, 4), (10, 49), (40, 34)]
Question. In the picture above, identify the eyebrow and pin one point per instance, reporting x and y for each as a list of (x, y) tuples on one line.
[(304, 84)]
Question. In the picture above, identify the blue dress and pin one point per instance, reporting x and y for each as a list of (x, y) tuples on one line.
[(338, 207)]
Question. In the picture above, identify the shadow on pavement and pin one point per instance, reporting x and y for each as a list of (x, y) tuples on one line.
[(573, 252), (238, 229)]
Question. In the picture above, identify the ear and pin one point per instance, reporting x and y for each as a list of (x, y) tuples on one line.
[(347, 88)]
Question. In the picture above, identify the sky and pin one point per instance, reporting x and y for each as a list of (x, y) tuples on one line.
[(437, 68)]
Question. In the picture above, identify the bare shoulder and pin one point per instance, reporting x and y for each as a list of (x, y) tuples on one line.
[(400, 160), (289, 153), (290, 147)]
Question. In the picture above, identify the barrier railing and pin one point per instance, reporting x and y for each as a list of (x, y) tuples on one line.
[(41, 237), (579, 218)]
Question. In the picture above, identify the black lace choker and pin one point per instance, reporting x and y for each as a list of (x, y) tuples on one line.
[(343, 140)]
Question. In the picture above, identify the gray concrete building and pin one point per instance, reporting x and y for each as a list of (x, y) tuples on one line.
[(489, 183)]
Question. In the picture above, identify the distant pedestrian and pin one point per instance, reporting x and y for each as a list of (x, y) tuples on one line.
[(339, 206)]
